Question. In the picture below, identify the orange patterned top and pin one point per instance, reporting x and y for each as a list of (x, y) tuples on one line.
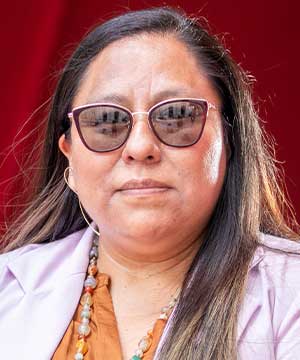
[(103, 341)]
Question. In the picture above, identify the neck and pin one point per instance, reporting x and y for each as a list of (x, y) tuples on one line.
[(150, 284)]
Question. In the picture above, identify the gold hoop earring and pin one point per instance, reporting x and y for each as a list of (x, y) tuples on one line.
[(68, 168), (80, 205), (86, 220)]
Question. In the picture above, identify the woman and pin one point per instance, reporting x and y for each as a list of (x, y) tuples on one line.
[(153, 140)]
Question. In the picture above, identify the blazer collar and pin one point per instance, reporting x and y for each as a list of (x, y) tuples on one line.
[(37, 267), (40, 267), (273, 243)]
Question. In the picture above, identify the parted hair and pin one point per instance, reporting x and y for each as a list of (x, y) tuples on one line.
[(203, 325)]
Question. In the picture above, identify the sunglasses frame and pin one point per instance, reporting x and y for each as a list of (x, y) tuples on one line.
[(74, 114)]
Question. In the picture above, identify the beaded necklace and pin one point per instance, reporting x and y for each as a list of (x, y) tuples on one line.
[(86, 301)]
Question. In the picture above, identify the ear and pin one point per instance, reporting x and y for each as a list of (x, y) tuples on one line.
[(65, 147)]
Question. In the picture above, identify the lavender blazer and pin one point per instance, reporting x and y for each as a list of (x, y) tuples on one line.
[(40, 286)]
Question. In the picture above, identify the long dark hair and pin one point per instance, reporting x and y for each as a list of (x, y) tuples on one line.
[(203, 325)]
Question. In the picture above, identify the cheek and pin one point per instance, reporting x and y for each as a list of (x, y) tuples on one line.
[(205, 169), (214, 162), (90, 169), (92, 180)]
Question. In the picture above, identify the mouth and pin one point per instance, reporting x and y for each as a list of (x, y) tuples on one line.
[(143, 187), (145, 191)]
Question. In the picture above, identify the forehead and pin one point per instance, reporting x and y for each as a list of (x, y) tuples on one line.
[(142, 70)]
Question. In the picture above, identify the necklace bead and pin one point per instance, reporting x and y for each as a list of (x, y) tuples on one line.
[(85, 314), (92, 270), (90, 282), (145, 343), (81, 346), (94, 252), (78, 356), (139, 352), (84, 329), (86, 299)]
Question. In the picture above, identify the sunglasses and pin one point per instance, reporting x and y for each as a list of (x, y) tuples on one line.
[(105, 127)]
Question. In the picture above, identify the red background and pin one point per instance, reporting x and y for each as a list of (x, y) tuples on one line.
[(37, 35)]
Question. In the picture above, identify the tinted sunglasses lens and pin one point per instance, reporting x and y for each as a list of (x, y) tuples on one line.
[(104, 128), (179, 123)]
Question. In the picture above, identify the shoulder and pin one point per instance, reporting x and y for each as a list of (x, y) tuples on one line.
[(32, 249), (275, 265), (279, 258), (66, 255), (11, 255), (269, 321), (271, 309), (280, 245)]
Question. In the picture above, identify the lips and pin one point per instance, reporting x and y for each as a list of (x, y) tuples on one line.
[(143, 184)]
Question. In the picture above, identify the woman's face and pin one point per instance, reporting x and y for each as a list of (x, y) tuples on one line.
[(137, 73)]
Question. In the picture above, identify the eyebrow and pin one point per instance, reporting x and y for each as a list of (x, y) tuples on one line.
[(172, 93), (109, 98), (122, 99)]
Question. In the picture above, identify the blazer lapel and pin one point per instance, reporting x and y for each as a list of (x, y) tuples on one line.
[(50, 280)]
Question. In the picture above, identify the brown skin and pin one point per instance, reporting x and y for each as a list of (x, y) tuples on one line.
[(148, 240)]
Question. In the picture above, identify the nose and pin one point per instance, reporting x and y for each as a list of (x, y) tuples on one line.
[(142, 145)]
